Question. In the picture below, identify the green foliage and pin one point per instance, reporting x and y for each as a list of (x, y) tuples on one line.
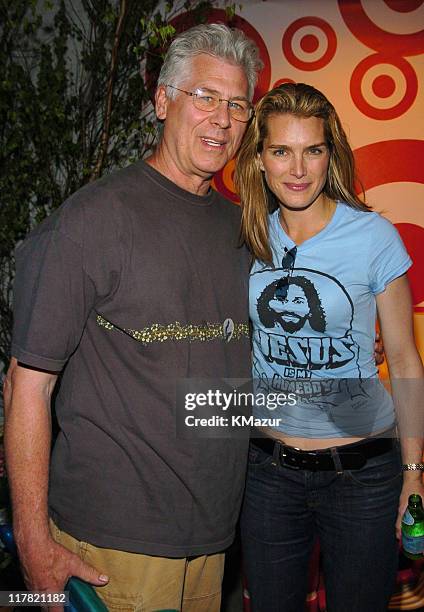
[(73, 104)]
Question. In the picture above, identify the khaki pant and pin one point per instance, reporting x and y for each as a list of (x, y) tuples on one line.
[(141, 583)]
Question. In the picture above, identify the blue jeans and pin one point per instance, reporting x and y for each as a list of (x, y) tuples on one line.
[(353, 514)]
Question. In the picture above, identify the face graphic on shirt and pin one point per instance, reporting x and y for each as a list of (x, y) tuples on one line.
[(294, 309), (290, 303), (291, 317)]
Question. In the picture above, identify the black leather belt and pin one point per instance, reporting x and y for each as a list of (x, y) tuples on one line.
[(352, 456)]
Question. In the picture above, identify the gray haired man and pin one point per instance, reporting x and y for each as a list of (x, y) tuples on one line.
[(124, 290)]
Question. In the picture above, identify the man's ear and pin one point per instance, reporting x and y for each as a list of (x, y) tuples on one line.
[(161, 102)]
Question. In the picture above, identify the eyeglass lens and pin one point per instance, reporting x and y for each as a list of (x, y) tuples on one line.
[(208, 101)]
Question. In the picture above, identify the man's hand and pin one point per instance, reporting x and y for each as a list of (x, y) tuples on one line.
[(48, 568), (378, 349)]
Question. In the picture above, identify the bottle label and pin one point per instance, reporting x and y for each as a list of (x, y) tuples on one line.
[(413, 545), (408, 518)]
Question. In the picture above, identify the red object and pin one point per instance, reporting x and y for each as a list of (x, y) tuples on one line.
[(309, 43)]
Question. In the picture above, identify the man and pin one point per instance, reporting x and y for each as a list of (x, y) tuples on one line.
[(290, 303), (130, 287)]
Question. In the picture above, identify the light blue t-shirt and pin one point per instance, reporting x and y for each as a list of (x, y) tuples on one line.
[(314, 325)]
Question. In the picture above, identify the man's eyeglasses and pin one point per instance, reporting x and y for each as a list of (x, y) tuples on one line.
[(287, 263), (205, 100)]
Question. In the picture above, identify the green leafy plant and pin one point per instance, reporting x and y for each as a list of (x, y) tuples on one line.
[(76, 85)]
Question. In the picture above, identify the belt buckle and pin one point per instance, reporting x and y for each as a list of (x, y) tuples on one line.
[(319, 461), (298, 459), (310, 460), (287, 458)]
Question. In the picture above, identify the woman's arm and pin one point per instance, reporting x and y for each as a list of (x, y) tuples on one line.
[(407, 380)]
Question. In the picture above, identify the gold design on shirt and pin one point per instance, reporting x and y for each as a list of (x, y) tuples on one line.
[(176, 331)]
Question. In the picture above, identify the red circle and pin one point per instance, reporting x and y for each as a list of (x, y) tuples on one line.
[(390, 161), (187, 20), (309, 43), (372, 36), (413, 237), (281, 81), (404, 6), (226, 187), (395, 161), (301, 23), (383, 86), (383, 113)]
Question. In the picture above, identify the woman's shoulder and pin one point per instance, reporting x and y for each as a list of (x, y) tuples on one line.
[(368, 218)]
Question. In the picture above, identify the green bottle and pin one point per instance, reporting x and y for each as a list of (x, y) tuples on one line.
[(413, 528)]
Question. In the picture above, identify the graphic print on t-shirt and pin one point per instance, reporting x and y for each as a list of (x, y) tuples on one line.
[(294, 308), (314, 324)]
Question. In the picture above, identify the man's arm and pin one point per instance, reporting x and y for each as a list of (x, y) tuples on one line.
[(46, 565)]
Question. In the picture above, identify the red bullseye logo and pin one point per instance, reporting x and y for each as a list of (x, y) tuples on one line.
[(282, 81), (387, 95), (374, 37), (394, 161), (405, 6), (309, 43), (224, 183), (383, 86), (413, 238)]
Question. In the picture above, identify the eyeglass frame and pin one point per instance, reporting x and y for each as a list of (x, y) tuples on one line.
[(194, 95)]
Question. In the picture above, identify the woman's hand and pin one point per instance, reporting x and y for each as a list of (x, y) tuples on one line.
[(412, 483)]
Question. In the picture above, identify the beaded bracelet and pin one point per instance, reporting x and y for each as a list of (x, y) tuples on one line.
[(413, 466)]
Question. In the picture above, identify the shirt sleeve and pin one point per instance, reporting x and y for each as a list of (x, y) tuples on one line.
[(388, 255), (53, 296)]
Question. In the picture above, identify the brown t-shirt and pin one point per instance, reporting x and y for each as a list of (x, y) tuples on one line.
[(136, 252)]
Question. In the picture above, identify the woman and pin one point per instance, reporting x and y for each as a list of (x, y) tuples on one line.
[(323, 262)]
